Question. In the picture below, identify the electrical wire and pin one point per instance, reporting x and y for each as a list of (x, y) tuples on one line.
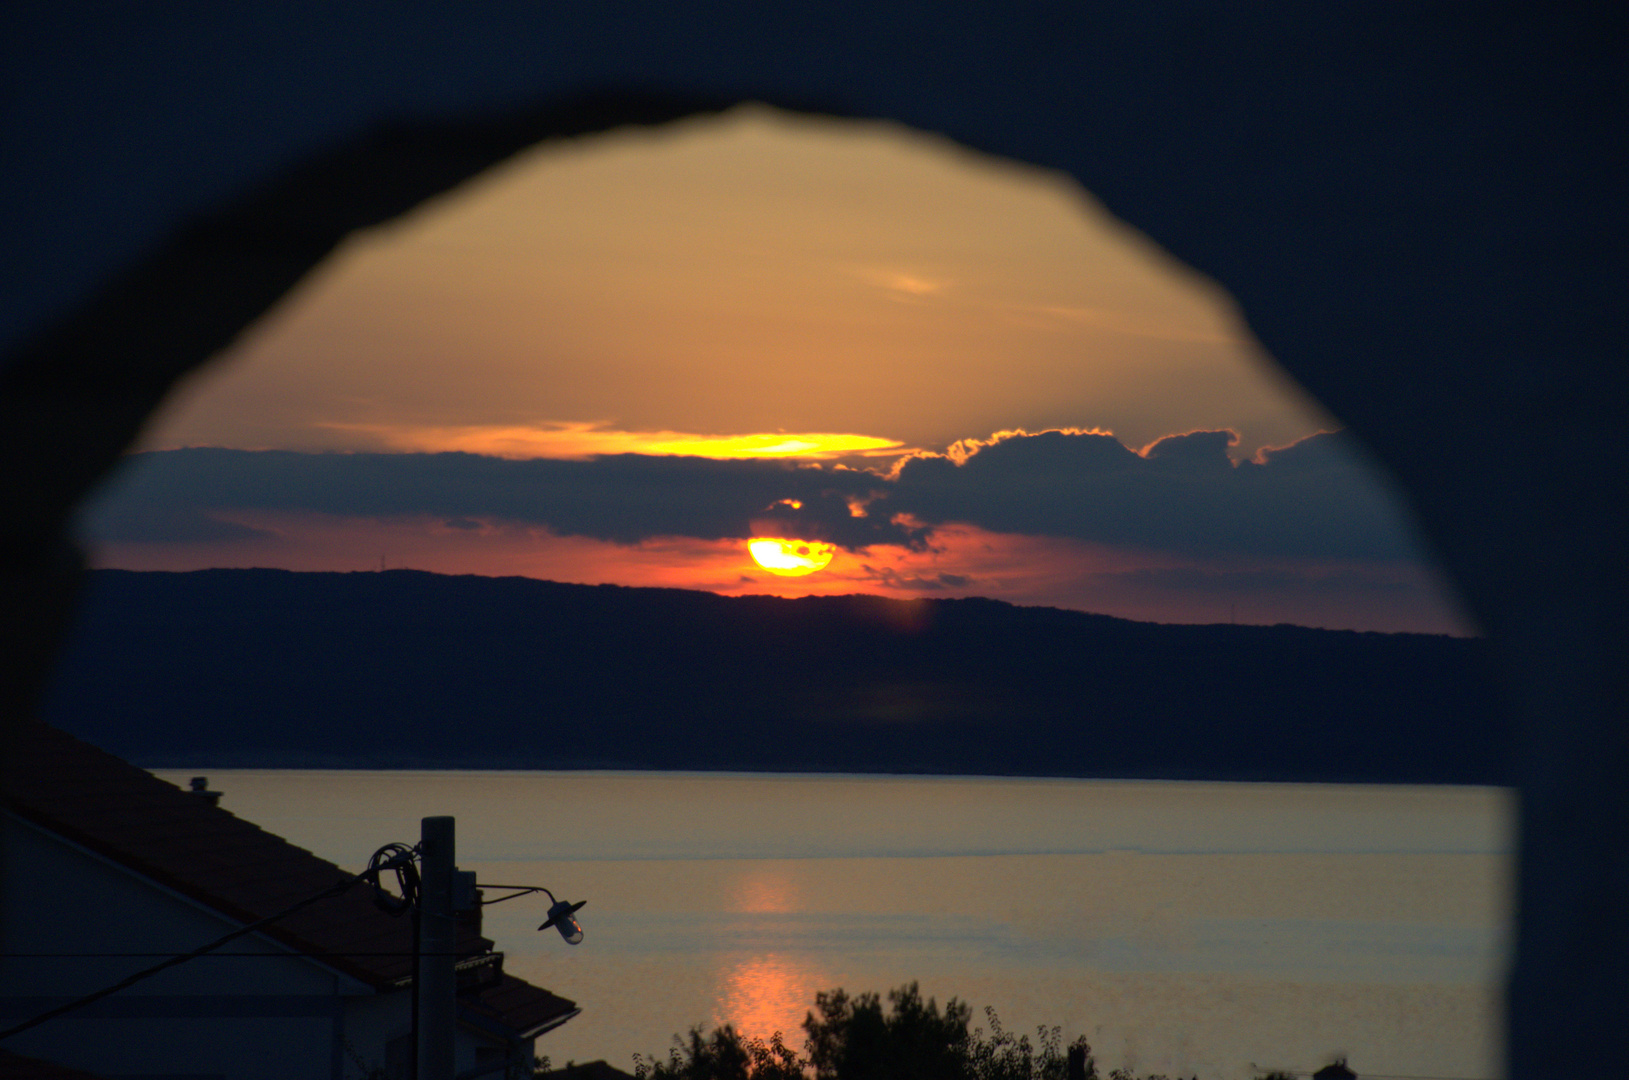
[(223, 956), (78, 1003), (397, 858)]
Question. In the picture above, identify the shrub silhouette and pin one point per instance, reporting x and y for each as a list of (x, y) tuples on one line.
[(855, 1038), (724, 1055)]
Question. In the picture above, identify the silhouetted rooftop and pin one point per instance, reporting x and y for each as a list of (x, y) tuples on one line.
[(186, 843)]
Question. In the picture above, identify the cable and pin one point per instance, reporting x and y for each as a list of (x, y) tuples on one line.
[(78, 1003), (223, 956), (395, 857), (398, 858)]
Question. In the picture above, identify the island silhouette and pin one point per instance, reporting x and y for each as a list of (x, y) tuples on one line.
[(272, 668)]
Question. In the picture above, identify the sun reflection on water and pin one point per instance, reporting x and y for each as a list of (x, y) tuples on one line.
[(767, 989), (768, 993), (765, 891)]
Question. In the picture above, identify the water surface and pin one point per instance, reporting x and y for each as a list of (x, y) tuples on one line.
[(1182, 927)]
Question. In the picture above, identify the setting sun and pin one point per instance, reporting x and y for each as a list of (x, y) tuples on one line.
[(791, 558)]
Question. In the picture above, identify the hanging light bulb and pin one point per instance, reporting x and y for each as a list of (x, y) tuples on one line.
[(563, 917)]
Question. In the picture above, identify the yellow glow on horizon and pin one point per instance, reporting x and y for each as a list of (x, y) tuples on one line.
[(791, 558), (582, 440)]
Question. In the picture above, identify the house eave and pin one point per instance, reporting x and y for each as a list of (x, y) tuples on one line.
[(492, 1028)]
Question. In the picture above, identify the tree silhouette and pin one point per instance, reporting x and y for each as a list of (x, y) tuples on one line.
[(856, 1038)]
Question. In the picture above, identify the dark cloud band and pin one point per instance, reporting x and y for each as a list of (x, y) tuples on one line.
[(1316, 499), (622, 498)]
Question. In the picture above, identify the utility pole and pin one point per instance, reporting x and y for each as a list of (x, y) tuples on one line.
[(436, 988), (437, 893)]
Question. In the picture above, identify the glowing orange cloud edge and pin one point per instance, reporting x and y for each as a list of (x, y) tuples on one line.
[(579, 441), (585, 440)]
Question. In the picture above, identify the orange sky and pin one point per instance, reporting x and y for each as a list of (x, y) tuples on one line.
[(752, 286), (727, 277)]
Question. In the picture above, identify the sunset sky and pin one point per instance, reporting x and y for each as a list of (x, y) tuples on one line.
[(647, 347)]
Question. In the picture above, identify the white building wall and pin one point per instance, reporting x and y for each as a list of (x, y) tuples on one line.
[(224, 1016), (231, 1016), (371, 1023)]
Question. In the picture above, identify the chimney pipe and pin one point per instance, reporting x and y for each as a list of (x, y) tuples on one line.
[(200, 787)]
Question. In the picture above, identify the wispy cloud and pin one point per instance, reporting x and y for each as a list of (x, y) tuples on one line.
[(908, 284), (1119, 322), (903, 282)]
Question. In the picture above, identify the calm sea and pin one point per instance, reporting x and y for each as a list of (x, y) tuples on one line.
[(1208, 929)]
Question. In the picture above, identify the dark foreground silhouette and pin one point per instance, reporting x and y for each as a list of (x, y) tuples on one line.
[(403, 669), (1418, 207), (858, 1039)]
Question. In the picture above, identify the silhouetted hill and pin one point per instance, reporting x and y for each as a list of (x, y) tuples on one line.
[(403, 668)]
